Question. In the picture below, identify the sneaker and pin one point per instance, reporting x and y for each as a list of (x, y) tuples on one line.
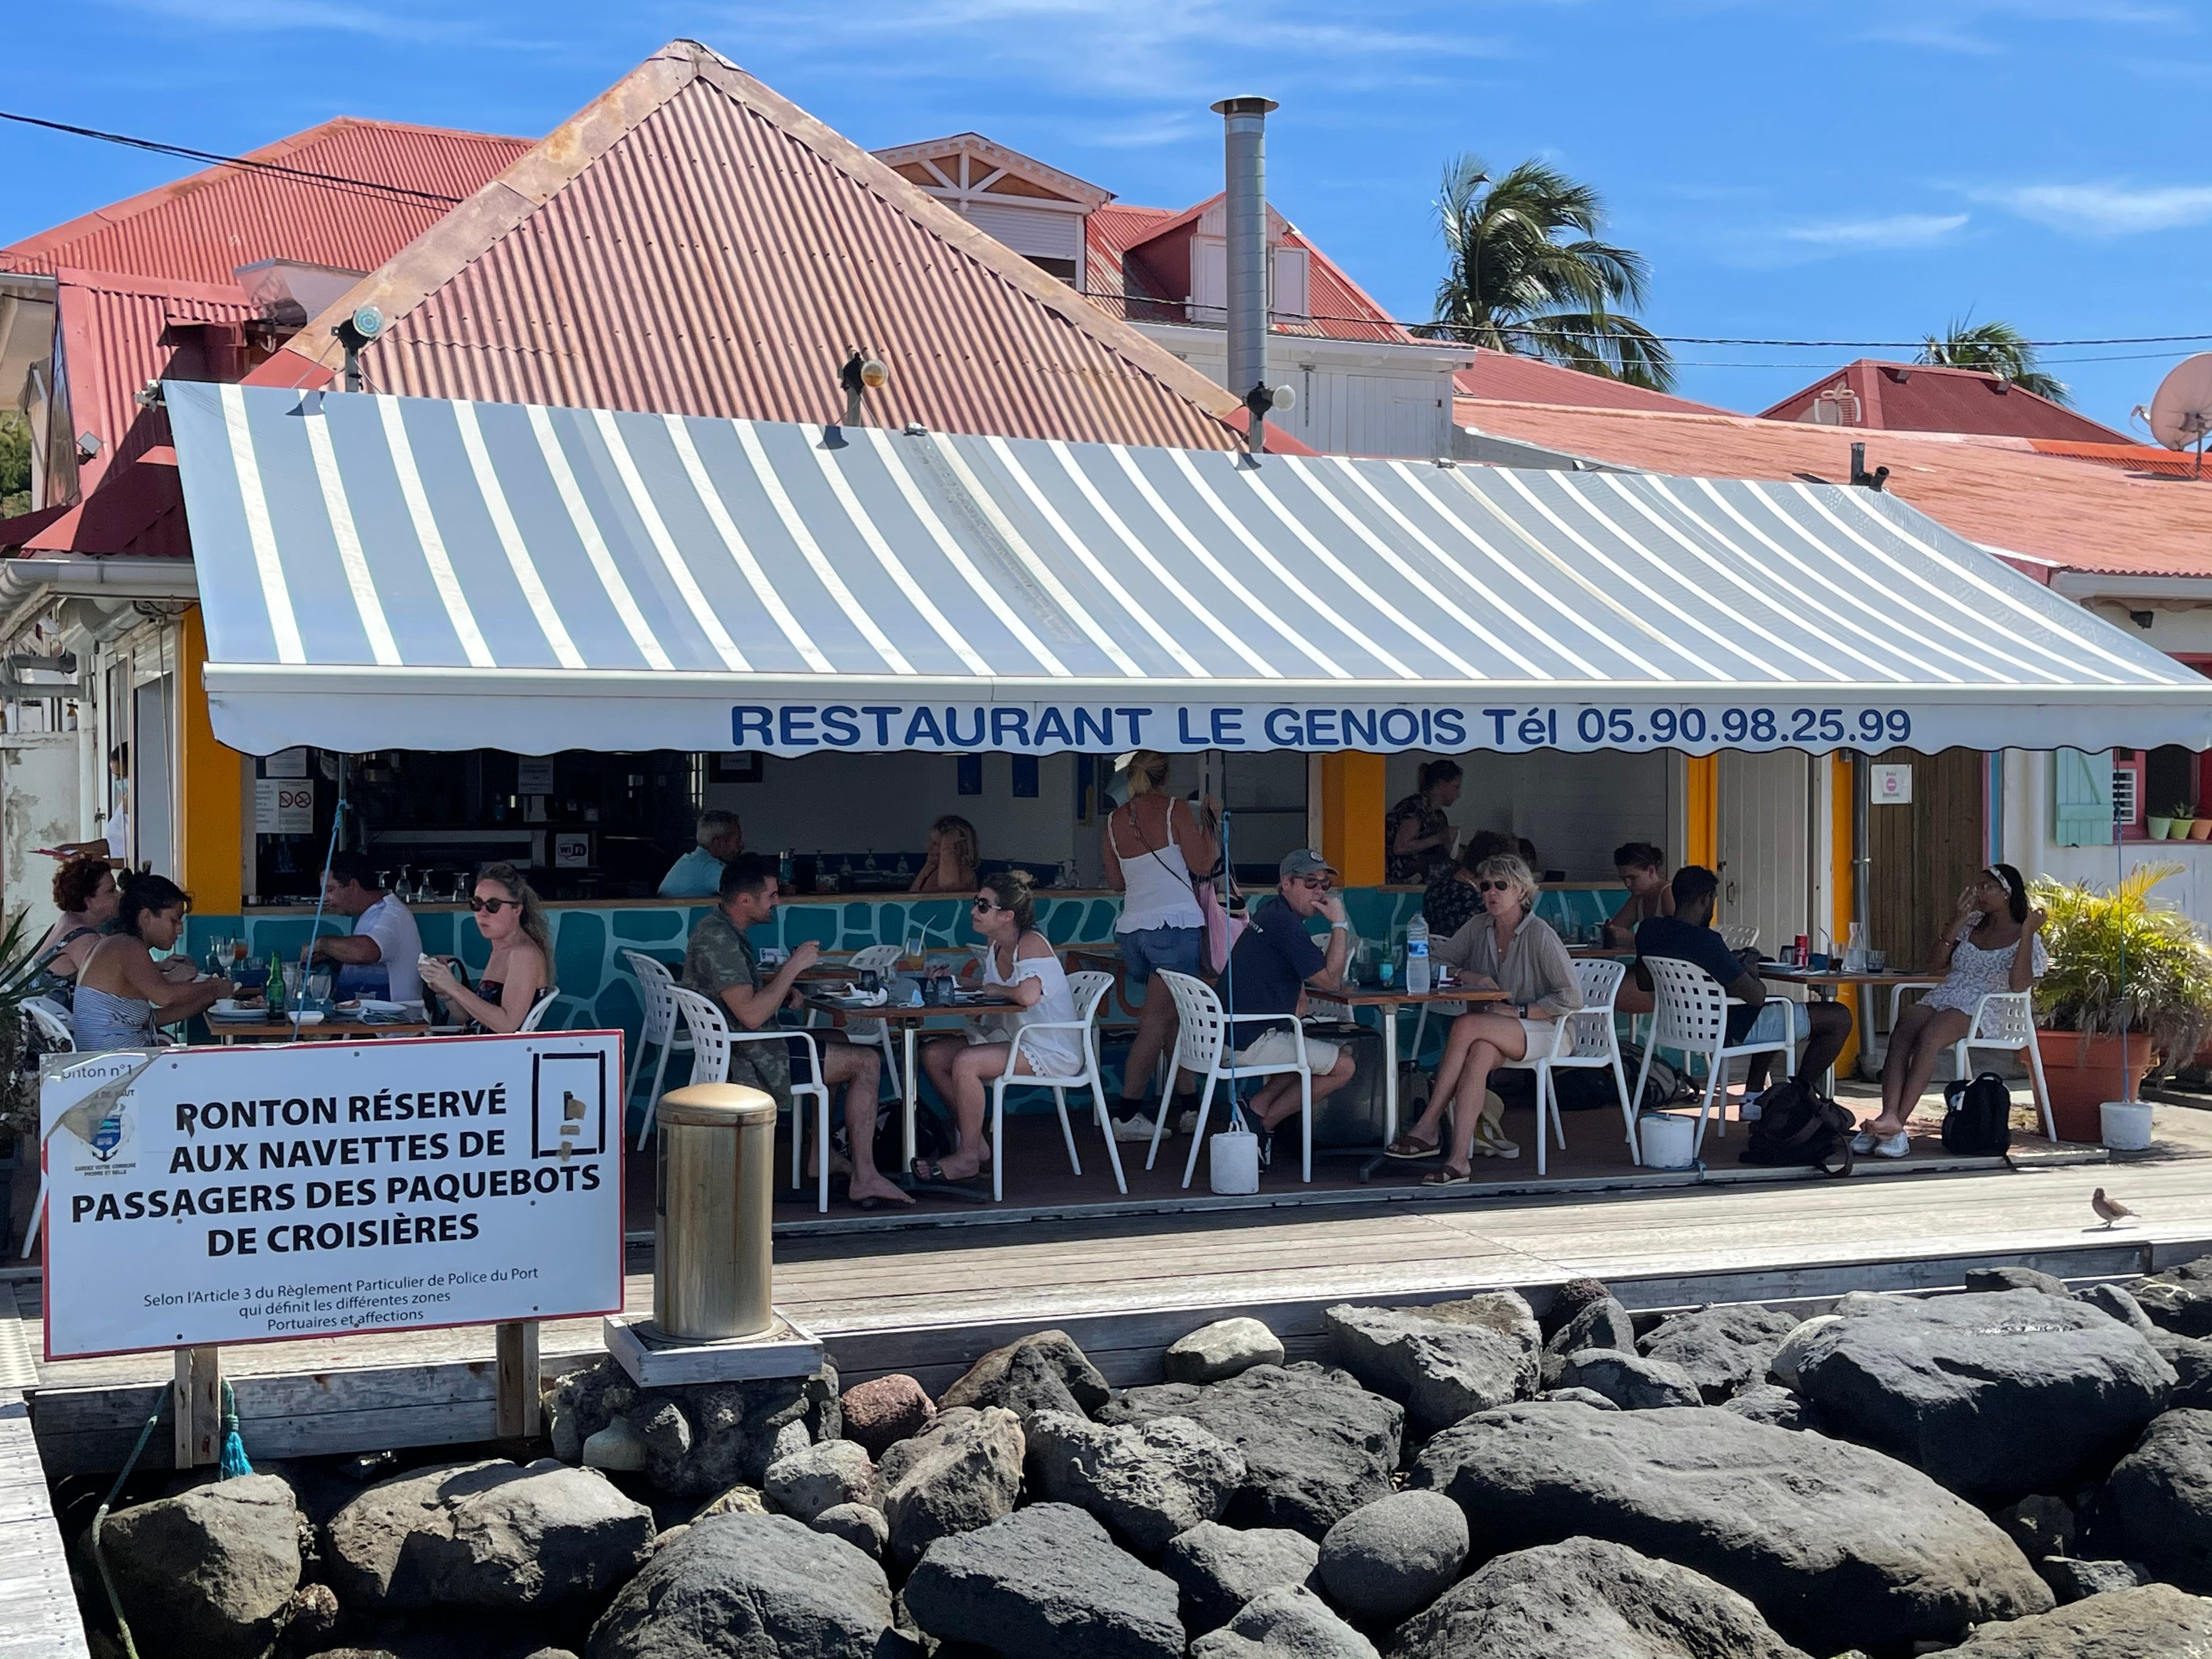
[(1187, 1123), (1861, 1143), (1135, 1126), (1749, 1110), (1897, 1146)]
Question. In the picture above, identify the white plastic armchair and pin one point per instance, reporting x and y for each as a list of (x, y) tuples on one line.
[(1690, 1013), (712, 1039), (2006, 1020), (1582, 1041), (663, 1030), (1202, 1049), (1089, 990)]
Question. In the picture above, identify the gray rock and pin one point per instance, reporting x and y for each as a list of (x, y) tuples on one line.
[(1147, 1481), (2158, 1499), (2180, 1298), (1782, 1518), (720, 1434), (1603, 1323), (1443, 1361), (568, 1439), (1764, 1402), (1285, 1623), (1629, 1380), (753, 1587), (792, 1438), (821, 1477), (963, 1472), (1984, 1279), (490, 1535), (1589, 1397), (2040, 1524), (1220, 1349), (212, 1570), (1219, 1569), (860, 1525), (1047, 1372), (1588, 1599), (1723, 1348), (2156, 1621), (1995, 1395), (1392, 1557), (617, 1447), (2191, 1359), (2073, 1580), (1569, 1299), (885, 1410), (664, 1434), (1315, 1444), (2119, 1302), (1045, 1580), (1782, 1363), (738, 1500)]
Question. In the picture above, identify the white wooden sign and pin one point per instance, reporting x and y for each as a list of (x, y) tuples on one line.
[(1890, 785), (253, 1195)]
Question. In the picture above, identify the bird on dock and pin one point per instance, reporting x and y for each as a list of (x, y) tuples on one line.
[(2111, 1209)]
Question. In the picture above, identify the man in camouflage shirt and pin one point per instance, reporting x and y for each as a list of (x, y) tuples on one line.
[(720, 962)]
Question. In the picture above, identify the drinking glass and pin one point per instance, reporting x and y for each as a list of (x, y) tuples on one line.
[(1877, 962), (294, 973), (318, 988)]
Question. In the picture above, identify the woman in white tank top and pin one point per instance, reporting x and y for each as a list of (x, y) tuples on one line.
[(1150, 848)]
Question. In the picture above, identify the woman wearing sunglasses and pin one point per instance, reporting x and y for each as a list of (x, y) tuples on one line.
[(1509, 948), (512, 922), (1019, 965)]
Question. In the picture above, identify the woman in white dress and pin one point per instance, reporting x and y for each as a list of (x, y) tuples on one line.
[(1979, 953), (1019, 964)]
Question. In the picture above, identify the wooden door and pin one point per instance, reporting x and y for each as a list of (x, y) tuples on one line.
[(1923, 851)]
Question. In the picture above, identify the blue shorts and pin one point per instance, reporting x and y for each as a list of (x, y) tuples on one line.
[(1767, 1028), (1175, 949)]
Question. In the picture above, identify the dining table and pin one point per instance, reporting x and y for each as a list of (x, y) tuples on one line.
[(1826, 982), (907, 1019), (329, 1030)]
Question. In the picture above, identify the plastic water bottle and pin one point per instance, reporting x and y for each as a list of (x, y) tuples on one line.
[(1417, 956)]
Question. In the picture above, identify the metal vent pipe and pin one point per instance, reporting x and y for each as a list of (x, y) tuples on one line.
[(1246, 159)]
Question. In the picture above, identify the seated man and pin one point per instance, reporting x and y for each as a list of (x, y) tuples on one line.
[(1268, 971), (1689, 936), (381, 957), (698, 873), (720, 963)]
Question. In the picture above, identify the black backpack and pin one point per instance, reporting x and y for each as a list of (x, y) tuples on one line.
[(1978, 1117), (1796, 1125)]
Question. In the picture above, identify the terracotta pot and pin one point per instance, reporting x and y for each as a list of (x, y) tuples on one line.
[(2081, 1080), (2201, 829)]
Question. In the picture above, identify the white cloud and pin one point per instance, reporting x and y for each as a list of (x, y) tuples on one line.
[(2109, 209), (1899, 230)]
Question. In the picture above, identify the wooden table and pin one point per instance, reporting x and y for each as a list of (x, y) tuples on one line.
[(229, 1031), (1389, 1000), (910, 1020)]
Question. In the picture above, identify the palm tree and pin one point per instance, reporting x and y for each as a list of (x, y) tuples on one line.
[(1528, 275), (1995, 347)]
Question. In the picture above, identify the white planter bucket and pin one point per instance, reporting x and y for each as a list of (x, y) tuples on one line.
[(2127, 1125), (1667, 1140), (1233, 1161)]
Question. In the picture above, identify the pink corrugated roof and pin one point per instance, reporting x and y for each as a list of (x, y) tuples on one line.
[(1914, 398), (1512, 378), (693, 243)]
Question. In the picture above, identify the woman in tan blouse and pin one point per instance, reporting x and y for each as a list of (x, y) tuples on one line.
[(1506, 948)]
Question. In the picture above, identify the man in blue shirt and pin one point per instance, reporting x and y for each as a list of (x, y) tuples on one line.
[(1688, 936), (698, 873), (1265, 986)]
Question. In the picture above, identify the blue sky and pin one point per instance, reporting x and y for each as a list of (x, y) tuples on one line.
[(1800, 170)]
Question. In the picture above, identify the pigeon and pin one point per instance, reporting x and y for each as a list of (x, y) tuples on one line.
[(2111, 1209)]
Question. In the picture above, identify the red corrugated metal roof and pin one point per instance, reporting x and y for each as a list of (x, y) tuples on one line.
[(693, 243), (2130, 458), (2002, 495), (1512, 379), (1914, 397), (201, 228)]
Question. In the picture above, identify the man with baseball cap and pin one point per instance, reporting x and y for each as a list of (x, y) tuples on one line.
[(1265, 986)]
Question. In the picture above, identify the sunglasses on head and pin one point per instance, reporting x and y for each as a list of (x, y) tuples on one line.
[(492, 907)]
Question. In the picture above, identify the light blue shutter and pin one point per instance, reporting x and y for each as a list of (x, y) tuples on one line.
[(2082, 797)]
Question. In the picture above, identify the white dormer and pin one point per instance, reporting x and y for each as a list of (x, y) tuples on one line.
[(1035, 210), (1289, 269)]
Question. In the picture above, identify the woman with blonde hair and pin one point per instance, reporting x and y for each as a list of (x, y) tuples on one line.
[(512, 922), (949, 865), (1509, 948), (1151, 852)]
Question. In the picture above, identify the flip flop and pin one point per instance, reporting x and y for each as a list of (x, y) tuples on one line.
[(930, 1172), (1448, 1176), (1408, 1150)]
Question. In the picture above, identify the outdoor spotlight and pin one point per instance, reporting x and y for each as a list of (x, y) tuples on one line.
[(88, 446), (2142, 619), (365, 325), (863, 372)]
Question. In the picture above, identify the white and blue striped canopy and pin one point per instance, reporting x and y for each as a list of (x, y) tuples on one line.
[(401, 573)]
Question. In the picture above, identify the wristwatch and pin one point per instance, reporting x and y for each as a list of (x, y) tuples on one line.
[(1335, 926)]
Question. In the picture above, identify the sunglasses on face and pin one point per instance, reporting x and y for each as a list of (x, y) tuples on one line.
[(492, 907), (1313, 884), (1493, 887), (983, 907)]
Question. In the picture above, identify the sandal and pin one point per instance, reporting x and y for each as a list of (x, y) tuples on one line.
[(931, 1172), (1407, 1148), (1449, 1175)]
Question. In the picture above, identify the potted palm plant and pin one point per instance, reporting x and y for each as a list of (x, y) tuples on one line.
[(2183, 820), (2125, 971)]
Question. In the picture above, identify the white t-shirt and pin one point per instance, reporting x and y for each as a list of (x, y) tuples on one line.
[(392, 925), (118, 831)]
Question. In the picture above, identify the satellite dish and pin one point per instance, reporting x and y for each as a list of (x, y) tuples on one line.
[(2180, 415)]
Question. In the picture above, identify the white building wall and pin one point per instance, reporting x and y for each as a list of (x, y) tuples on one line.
[(2026, 844)]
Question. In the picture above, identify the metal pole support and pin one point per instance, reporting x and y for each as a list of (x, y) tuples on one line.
[(711, 1266)]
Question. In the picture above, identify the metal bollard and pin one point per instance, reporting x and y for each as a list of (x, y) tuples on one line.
[(715, 1195)]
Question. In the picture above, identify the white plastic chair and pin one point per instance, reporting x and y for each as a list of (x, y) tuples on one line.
[(876, 1033), (2006, 1020), (1584, 1040), (1089, 989), (546, 998), (1691, 1014), (1202, 1049), (712, 1039), (663, 1030), (51, 1023)]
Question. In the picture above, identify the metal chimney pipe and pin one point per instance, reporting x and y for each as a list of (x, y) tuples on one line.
[(1246, 163)]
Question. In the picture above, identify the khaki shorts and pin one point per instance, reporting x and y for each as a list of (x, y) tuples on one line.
[(1280, 1049)]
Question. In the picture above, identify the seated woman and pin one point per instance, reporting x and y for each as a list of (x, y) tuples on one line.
[(1643, 870), (949, 865), (512, 922), (122, 995), (1417, 836), (86, 895), (1979, 953), (1450, 902), (1507, 948), (1019, 963)]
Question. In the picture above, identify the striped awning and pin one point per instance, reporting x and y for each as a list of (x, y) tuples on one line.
[(397, 573)]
